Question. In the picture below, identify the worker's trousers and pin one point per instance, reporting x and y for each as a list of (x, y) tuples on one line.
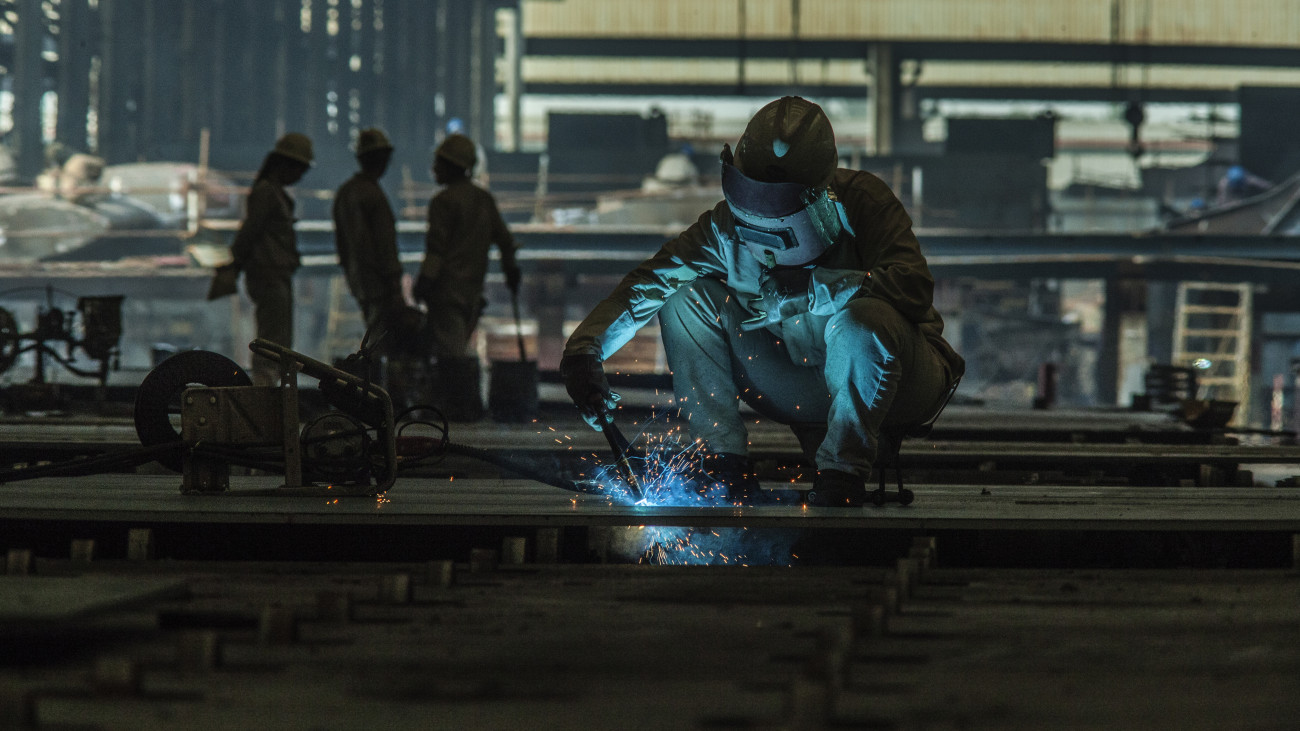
[(450, 325), (857, 371), (272, 296)]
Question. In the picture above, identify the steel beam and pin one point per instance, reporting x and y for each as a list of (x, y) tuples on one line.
[(733, 47)]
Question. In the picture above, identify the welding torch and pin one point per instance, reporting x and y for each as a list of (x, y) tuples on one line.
[(619, 445)]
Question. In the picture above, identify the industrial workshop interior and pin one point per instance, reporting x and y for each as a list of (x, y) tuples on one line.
[(649, 364)]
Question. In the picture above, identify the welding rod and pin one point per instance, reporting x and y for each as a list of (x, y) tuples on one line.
[(619, 446)]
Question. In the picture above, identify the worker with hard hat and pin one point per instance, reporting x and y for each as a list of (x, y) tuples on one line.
[(1237, 184), (365, 237), (463, 224), (804, 293), (365, 232), (266, 248)]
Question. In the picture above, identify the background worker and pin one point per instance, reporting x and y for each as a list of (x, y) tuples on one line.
[(265, 249), (365, 237), (464, 223), (804, 293), (1238, 183)]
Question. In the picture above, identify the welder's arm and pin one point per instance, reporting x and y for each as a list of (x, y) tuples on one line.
[(782, 294), (899, 273), (637, 299), (831, 289)]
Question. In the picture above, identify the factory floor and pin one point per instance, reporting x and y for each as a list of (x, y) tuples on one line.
[(214, 645), (1075, 580)]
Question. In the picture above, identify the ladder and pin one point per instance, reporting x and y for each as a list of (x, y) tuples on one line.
[(1212, 334)]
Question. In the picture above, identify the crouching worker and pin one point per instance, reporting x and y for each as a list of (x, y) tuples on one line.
[(804, 293)]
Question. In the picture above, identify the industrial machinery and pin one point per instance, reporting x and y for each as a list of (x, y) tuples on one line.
[(225, 420), (94, 328)]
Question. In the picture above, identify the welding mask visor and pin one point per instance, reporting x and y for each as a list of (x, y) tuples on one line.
[(781, 224)]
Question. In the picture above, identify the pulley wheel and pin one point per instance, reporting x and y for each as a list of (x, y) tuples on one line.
[(8, 339), (159, 397)]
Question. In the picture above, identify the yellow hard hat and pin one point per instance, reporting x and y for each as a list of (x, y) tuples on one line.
[(369, 140), (295, 146), (457, 150)]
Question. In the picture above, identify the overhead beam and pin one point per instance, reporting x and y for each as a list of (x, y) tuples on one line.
[(731, 47), (1037, 93)]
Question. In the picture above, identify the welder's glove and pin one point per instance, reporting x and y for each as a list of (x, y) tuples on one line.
[(584, 378), (782, 294), (832, 289)]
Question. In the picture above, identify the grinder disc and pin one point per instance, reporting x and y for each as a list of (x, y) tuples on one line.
[(159, 397)]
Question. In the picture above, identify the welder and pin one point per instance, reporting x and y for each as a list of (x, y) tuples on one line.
[(804, 294)]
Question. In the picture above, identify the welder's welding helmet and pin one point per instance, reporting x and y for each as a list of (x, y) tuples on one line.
[(781, 224), (777, 184)]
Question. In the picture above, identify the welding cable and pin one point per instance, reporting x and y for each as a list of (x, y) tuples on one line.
[(417, 451), (409, 447), (440, 425), (436, 448), (92, 465), (532, 472)]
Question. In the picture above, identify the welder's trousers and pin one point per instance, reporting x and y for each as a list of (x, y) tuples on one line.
[(857, 371), (272, 296)]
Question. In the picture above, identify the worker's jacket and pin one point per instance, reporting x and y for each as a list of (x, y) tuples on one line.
[(266, 245), (463, 224), (878, 240), (365, 236)]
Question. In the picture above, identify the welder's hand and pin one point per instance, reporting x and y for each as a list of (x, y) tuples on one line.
[(783, 293), (832, 289), (584, 378), (513, 279), (424, 289)]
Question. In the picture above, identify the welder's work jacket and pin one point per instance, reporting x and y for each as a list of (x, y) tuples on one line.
[(266, 245), (365, 235), (463, 224), (880, 241)]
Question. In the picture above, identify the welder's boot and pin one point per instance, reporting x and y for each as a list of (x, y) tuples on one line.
[(737, 474), (836, 489), (810, 436)]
